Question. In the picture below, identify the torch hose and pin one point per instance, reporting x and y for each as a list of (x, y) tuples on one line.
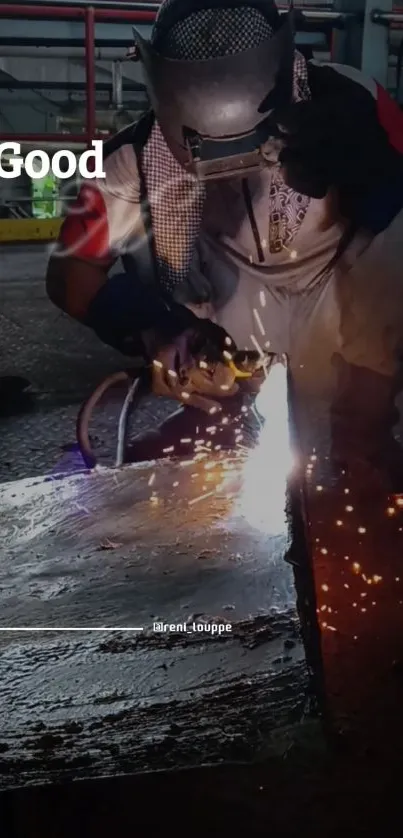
[(138, 384), (123, 421), (85, 414)]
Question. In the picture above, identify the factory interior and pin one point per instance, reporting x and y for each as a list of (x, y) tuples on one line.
[(294, 722)]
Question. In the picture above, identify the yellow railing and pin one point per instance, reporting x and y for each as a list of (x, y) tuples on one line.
[(29, 229)]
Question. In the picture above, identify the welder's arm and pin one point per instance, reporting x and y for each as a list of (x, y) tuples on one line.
[(73, 283), (125, 311), (94, 233), (185, 353), (104, 222)]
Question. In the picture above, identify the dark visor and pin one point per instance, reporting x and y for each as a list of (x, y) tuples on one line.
[(211, 158)]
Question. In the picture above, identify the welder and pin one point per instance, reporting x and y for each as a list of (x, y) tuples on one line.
[(258, 203)]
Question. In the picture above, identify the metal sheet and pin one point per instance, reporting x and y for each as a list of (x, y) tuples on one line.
[(92, 550)]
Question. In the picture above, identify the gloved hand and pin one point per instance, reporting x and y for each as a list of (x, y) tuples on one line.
[(335, 141), (191, 367)]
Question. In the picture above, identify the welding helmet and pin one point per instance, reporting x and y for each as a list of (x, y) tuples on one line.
[(216, 71)]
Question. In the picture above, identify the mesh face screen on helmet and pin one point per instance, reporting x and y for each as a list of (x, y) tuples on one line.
[(214, 77), (213, 33)]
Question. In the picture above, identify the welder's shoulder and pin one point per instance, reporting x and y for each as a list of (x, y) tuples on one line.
[(106, 208), (325, 78), (355, 87), (120, 165)]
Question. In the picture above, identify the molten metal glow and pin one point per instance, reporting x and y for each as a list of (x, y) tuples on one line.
[(267, 469)]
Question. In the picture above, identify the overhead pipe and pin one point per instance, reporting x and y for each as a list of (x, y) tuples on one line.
[(115, 5), (36, 11), (35, 139), (98, 5), (137, 12), (69, 86), (52, 53), (386, 18)]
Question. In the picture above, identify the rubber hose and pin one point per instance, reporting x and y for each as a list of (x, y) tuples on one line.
[(85, 414)]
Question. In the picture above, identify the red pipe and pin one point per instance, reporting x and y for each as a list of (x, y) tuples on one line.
[(90, 72), (90, 15), (19, 10)]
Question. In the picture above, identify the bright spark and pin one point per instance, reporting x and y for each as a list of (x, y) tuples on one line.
[(266, 471), (259, 322), (256, 344)]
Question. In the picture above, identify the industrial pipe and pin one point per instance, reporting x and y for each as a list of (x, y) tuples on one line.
[(133, 12), (386, 18), (63, 53), (327, 16), (108, 121), (68, 86), (117, 85), (90, 71), (40, 139), (115, 4), (18, 11), (98, 5), (153, 8)]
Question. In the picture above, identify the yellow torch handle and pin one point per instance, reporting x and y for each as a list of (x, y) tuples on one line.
[(238, 373)]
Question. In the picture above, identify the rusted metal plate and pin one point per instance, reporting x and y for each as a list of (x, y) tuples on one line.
[(94, 551)]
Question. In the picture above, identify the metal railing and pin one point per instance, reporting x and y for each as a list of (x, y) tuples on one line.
[(23, 206), (102, 11), (108, 10)]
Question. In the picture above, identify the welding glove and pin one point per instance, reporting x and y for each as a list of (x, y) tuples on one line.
[(191, 367), (179, 432), (184, 351), (335, 141)]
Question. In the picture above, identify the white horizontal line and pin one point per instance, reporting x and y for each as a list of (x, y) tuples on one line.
[(71, 628)]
